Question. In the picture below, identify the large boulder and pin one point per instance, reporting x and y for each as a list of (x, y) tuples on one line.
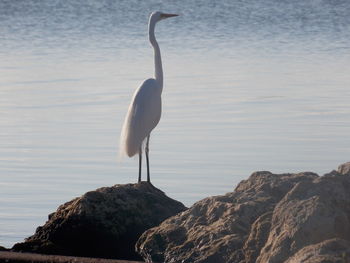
[(310, 213), (103, 223), (269, 218)]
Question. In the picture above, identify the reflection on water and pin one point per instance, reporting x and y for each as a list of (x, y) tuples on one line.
[(249, 85)]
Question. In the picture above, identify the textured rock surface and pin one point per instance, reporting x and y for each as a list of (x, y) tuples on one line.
[(269, 218), (103, 223), (344, 168), (309, 213), (331, 251)]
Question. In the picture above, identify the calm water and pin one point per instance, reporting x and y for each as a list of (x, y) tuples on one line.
[(249, 85)]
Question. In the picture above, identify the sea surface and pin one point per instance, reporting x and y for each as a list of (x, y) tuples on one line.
[(249, 85)]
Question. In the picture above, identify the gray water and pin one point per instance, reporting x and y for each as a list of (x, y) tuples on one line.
[(249, 85)]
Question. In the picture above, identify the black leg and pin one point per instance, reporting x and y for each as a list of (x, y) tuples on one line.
[(140, 163), (147, 159)]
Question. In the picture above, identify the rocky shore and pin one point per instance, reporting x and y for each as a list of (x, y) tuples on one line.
[(269, 217)]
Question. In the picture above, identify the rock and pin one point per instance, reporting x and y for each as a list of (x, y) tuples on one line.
[(331, 251), (269, 218), (344, 168), (103, 223), (311, 212), (3, 248), (221, 228)]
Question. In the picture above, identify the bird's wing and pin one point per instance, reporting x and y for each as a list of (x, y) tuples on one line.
[(143, 115)]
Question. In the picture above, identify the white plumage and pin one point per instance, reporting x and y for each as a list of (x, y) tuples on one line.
[(143, 115), (146, 105)]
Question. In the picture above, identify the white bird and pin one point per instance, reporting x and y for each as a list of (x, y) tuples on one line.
[(146, 105)]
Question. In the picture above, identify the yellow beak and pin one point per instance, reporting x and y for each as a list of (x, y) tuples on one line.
[(167, 15)]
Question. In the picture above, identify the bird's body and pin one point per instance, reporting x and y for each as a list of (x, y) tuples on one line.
[(146, 105), (143, 116)]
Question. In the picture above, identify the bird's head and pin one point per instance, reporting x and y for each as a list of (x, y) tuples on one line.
[(157, 16)]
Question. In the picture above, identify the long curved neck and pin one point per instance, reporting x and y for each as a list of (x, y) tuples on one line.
[(157, 56)]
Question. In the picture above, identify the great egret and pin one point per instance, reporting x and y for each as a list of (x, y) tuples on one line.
[(146, 106)]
